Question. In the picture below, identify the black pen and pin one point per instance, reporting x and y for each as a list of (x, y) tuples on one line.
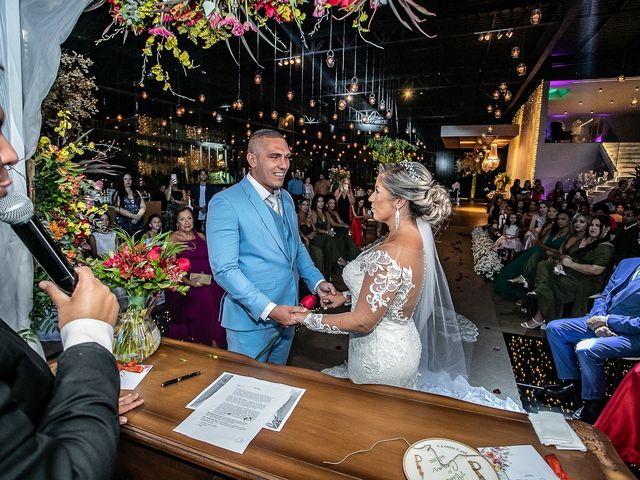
[(179, 379)]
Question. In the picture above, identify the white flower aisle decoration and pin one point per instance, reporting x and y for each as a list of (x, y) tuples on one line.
[(486, 261)]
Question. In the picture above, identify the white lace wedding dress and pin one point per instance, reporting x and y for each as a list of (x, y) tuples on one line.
[(387, 348)]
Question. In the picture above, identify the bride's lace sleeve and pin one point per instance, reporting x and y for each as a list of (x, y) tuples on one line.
[(386, 286)]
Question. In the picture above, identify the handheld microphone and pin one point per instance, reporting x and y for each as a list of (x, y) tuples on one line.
[(17, 210)]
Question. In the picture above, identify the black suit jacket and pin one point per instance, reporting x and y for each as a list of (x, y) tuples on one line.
[(62, 427), (194, 193)]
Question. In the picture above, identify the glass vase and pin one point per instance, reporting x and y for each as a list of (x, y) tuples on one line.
[(136, 336)]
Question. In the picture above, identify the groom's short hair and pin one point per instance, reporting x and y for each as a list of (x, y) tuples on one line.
[(259, 135)]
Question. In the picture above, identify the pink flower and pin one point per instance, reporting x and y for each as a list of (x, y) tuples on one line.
[(161, 32), (99, 185), (184, 264), (154, 253), (308, 302), (214, 20)]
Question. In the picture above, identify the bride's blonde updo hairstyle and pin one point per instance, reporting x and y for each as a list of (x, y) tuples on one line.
[(413, 182)]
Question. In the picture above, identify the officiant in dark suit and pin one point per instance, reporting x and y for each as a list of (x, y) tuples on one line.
[(201, 194), (62, 427)]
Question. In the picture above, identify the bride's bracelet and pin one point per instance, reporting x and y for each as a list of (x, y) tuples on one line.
[(347, 295)]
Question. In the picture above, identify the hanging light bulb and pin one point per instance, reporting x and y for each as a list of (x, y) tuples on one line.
[(507, 95), (239, 104), (496, 95), (334, 116), (219, 118), (342, 104), (389, 114), (234, 104), (489, 108), (497, 113), (372, 99), (179, 111), (289, 94), (509, 34), (351, 126), (319, 134), (331, 59), (201, 98), (521, 69), (214, 114), (382, 105), (385, 130), (620, 78), (377, 136), (260, 114), (144, 95), (248, 133), (257, 78), (274, 115), (487, 36), (301, 121), (119, 117), (312, 103), (364, 118), (536, 16), (503, 86), (634, 102), (163, 123), (353, 87), (515, 52)]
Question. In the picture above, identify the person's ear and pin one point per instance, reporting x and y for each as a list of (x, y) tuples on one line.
[(400, 202), (252, 160)]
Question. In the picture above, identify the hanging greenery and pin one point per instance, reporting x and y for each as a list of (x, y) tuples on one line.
[(470, 164), (206, 23), (390, 150)]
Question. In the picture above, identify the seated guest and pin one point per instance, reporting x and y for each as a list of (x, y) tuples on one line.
[(514, 190), (602, 208), (529, 213), (154, 227), (626, 241), (522, 269), (621, 412), (576, 191), (538, 190), (346, 246), (617, 212), (103, 239), (557, 194), (308, 232), (610, 330), (509, 239), (575, 277), (195, 317), (494, 210), (534, 227), (526, 191), (324, 236)]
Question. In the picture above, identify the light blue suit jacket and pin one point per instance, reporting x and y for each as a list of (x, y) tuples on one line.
[(249, 257), (622, 305)]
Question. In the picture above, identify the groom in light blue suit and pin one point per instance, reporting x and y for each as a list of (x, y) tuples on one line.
[(610, 330), (257, 255)]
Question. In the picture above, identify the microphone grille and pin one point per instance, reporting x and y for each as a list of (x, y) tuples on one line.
[(15, 208)]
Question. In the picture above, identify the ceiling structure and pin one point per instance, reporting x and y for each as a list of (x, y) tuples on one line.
[(429, 82), (598, 97)]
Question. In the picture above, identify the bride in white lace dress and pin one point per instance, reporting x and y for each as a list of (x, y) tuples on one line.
[(402, 325)]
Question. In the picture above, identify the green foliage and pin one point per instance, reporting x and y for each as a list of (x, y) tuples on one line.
[(390, 150)]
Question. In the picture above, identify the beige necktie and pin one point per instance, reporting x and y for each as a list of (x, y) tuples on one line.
[(273, 201)]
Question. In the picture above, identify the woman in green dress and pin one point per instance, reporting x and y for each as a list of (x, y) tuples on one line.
[(324, 237), (552, 236), (578, 275), (308, 232), (346, 246)]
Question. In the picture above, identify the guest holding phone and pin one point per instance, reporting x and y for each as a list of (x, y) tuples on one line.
[(195, 317)]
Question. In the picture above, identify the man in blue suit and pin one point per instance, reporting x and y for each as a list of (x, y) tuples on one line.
[(257, 255), (610, 330)]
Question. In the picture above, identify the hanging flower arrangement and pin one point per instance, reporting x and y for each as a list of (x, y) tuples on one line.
[(501, 181), (470, 164), (337, 175), (391, 150), (206, 23)]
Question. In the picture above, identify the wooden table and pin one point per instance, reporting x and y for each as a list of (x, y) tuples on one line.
[(333, 418)]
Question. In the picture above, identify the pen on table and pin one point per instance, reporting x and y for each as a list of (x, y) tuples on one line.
[(179, 379)]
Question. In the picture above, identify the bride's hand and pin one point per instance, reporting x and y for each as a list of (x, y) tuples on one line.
[(299, 317), (333, 301)]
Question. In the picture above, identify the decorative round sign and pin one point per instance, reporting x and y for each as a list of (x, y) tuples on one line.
[(444, 459)]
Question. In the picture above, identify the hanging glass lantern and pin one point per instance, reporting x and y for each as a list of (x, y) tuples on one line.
[(342, 104), (274, 115), (257, 78), (507, 95), (163, 123), (301, 121), (214, 114), (382, 105), (201, 98), (489, 108), (503, 86), (319, 134), (343, 138), (334, 116), (179, 111), (351, 126), (353, 87), (260, 114), (331, 59), (312, 103), (621, 78), (364, 118), (289, 94), (372, 99), (536, 16), (239, 104), (515, 52), (389, 114), (385, 130), (248, 133), (377, 136), (521, 69), (497, 113), (144, 95), (496, 95)]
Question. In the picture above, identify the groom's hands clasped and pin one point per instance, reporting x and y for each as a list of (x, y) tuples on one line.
[(285, 314)]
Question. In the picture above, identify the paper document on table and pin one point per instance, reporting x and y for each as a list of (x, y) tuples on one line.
[(234, 414), (274, 423), (130, 380), (518, 462)]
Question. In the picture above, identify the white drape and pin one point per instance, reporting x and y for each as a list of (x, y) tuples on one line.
[(31, 32)]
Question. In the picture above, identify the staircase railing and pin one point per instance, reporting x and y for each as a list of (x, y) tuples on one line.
[(610, 152)]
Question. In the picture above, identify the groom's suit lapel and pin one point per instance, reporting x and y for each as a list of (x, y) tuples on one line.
[(262, 209)]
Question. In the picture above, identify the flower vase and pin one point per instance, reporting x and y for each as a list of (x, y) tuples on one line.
[(136, 336)]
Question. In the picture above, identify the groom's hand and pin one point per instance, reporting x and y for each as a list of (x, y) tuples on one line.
[(285, 314), (325, 288)]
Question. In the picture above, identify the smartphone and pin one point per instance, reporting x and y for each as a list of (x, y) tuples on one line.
[(174, 178)]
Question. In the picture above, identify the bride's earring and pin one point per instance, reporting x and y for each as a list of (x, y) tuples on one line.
[(397, 217)]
